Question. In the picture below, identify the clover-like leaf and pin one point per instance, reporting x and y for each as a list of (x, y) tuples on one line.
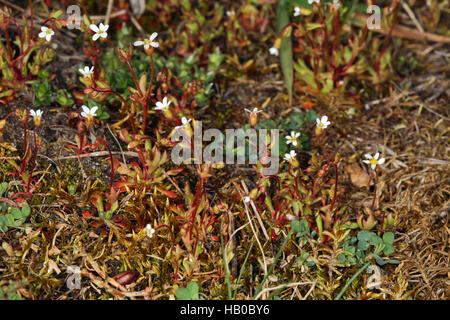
[(388, 238), (188, 293)]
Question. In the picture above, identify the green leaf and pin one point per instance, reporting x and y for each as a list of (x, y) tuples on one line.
[(26, 211), (365, 235), (16, 213), (363, 245), (388, 238), (311, 116), (286, 47), (188, 293), (9, 220), (3, 187), (376, 240), (388, 249)]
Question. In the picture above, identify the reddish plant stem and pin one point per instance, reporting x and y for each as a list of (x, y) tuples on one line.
[(333, 201), (149, 90), (109, 91)]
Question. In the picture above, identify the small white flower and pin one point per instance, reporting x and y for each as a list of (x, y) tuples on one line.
[(336, 5), (274, 51), (164, 105), (184, 123), (86, 72), (100, 31), (296, 11), (254, 111), (230, 13), (247, 199), (373, 161), (46, 33), (290, 156), (293, 138), (149, 230), (323, 123), (148, 42), (36, 114), (312, 1), (89, 113)]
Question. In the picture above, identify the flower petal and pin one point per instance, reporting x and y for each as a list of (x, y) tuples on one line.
[(94, 28), (95, 36), (85, 108), (138, 43), (153, 36), (381, 161)]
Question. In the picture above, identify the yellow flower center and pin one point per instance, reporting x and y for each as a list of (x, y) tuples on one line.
[(373, 161), (320, 125), (293, 139), (100, 31), (147, 42), (48, 31)]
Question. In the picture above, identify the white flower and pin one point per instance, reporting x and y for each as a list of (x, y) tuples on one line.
[(86, 72), (247, 199), (373, 161), (184, 123), (164, 105), (148, 42), (230, 13), (312, 1), (323, 123), (36, 114), (46, 33), (336, 5), (293, 138), (254, 111), (89, 113), (290, 156), (296, 11), (149, 230), (100, 31), (273, 51)]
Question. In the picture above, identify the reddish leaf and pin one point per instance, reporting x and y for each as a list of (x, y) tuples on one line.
[(168, 193), (86, 214)]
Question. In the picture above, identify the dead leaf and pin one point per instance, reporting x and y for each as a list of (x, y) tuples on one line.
[(358, 176)]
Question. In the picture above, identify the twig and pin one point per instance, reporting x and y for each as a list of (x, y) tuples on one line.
[(99, 154), (256, 212), (108, 11), (412, 16), (289, 285)]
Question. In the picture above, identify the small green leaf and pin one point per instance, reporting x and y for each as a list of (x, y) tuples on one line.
[(188, 293), (363, 245), (365, 235), (388, 238), (16, 213), (25, 211)]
